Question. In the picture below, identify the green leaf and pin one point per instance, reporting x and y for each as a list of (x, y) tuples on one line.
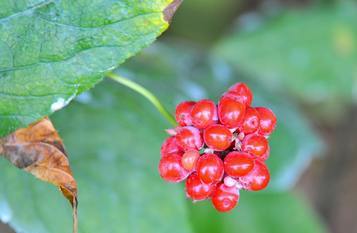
[(182, 73), (258, 212), (51, 51), (311, 53), (113, 138)]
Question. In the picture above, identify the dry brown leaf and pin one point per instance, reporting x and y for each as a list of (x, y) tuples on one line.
[(39, 150)]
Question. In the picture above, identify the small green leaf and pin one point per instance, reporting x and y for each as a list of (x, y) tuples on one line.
[(51, 51)]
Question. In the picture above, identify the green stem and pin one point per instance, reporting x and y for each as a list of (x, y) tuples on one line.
[(146, 93)]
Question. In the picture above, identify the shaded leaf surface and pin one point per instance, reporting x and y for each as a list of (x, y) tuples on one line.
[(50, 51), (115, 159)]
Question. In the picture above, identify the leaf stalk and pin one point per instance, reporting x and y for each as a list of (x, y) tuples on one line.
[(146, 93)]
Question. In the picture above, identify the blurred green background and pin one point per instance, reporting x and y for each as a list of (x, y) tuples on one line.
[(299, 57)]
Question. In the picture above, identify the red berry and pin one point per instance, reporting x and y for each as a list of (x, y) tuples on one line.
[(241, 92), (267, 120), (225, 198), (183, 113), (170, 168), (204, 113), (189, 137), (210, 168), (238, 164), (170, 146), (250, 122), (257, 179), (217, 137), (197, 190), (189, 159), (231, 112), (265, 156), (255, 144)]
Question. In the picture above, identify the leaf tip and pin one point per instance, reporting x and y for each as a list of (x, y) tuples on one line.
[(170, 10)]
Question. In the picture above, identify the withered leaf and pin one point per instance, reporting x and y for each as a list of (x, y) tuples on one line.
[(170, 10), (39, 150)]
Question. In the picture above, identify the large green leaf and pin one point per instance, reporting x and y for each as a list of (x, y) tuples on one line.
[(310, 53), (258, 213), (50, 51)]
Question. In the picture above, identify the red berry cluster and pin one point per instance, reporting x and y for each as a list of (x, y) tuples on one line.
[(219, 149)]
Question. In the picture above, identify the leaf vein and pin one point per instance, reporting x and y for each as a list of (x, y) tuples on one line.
[(101, 26), (30, 8)]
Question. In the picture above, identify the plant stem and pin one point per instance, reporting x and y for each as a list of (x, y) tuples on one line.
[(75, 217), (146, 93)]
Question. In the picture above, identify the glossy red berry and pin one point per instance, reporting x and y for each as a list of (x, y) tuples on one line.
[(189, 159), (231, 112), (210, 168), (183, 113), (217, 137), (267, 121), (257, 179), (196, 189), (170, 168), (189, 137), (241, 92), (204, 113), (225, 198), (238, 164), (255, 144), (250, 122), (170, 146)]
